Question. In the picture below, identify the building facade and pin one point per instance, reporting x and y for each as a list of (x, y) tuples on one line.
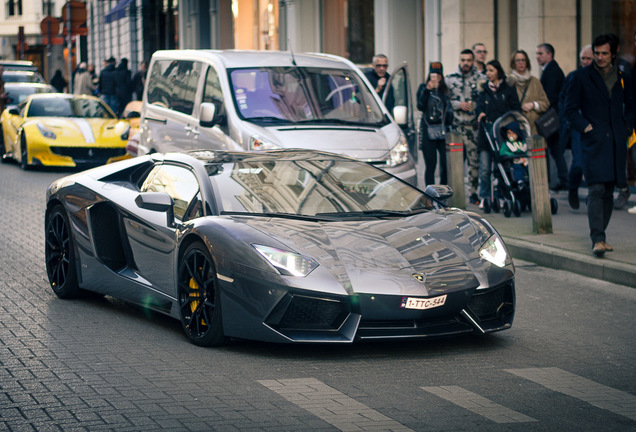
[(413, 31)]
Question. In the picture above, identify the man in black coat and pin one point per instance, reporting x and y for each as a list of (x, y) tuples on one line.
[(123, 91), (108, 84), (599, 104), (552, 78)]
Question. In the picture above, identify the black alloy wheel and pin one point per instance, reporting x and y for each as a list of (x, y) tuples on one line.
[(60, 255), (199, 297)]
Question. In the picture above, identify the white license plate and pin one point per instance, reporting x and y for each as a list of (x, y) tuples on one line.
[(422, 303)]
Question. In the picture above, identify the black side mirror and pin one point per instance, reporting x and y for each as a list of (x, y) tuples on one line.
[(157, 201)]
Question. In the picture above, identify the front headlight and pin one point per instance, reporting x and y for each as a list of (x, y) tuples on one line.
[(494, 251), (46, 133), (287, 263), (259, 143), (399, 153)]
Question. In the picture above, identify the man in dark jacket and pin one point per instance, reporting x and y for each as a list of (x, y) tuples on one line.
[(123, 91), (108, 85), (552, 78), (599, 104)]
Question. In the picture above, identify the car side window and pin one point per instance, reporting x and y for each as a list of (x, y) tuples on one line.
[(173, 84), (213, 93), (181, 184)]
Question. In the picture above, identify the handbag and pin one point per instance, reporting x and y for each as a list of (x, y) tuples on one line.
[(436, 132), (548, 123)]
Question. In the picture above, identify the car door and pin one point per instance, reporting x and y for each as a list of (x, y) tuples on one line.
[(10, 126), (217, 134), (170, 121), (152, 235), (399, 101)]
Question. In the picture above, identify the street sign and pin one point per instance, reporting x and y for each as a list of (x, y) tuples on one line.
[(50, 26), (78, 13)]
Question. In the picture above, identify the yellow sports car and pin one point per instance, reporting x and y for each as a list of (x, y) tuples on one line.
[(62, 130)]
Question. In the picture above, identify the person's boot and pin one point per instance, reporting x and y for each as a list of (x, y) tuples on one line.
[(573, 199), (621, 199)]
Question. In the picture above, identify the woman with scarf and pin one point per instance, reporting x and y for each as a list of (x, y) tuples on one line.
[(437, 118), (532, 98), (494, 100)]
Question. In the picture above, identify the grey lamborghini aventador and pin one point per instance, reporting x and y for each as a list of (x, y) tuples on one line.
[(280, 246)]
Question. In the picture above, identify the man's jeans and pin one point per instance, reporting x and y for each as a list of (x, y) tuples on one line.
[(111, 101), (576, 167), (600, 202), (485, 166)]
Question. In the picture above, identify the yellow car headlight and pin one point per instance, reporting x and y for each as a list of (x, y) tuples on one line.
[(46, 133)]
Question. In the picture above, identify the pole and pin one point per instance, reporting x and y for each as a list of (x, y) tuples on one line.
[(455, 168), (538, 171)]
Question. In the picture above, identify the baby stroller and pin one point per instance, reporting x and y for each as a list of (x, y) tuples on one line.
[(510, 184)]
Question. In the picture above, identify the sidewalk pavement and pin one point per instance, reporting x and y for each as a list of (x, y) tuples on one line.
[(569, 246)]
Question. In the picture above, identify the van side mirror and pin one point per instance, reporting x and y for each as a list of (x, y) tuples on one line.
[(399, 114), (208, 110)]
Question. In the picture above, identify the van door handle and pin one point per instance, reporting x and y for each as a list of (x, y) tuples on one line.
[(155, 119)]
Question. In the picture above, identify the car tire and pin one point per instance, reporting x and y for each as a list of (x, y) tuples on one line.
[(199, 297), (59, 252), (3, 149), (24, 153), (554, 206)]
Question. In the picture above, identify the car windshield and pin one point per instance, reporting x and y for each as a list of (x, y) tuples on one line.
[(68, 107), (22, 76), (17, 93), (313, 188), (291, 95)]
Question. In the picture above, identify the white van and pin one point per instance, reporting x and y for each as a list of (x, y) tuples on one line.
[(259, 100)]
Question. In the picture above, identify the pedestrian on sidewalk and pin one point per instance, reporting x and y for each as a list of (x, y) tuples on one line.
[(599, 104), (437, 118), (568, 134), (462, 92), (495, 99), (552, 78)]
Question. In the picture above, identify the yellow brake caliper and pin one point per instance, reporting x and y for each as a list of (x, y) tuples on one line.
[(194, 293)]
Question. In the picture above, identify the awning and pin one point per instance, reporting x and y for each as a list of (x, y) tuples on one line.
[(119, 11)]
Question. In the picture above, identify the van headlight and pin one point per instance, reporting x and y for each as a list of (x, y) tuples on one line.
[(259, 143), (399, 153)]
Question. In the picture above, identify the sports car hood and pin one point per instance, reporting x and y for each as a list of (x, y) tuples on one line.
[(419, 255), (82, 131)]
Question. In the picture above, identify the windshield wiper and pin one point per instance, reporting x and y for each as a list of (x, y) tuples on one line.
[(312, 218), (335, 121), (268, 119), (373, 213)]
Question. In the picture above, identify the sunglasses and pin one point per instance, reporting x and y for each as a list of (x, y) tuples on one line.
[(381, 65)]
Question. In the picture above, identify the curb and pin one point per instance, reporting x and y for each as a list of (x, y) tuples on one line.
[(561, 259)]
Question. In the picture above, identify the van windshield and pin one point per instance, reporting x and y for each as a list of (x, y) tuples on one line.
[(284, 95)]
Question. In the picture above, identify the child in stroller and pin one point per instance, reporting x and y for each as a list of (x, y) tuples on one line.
[(510, 186)]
